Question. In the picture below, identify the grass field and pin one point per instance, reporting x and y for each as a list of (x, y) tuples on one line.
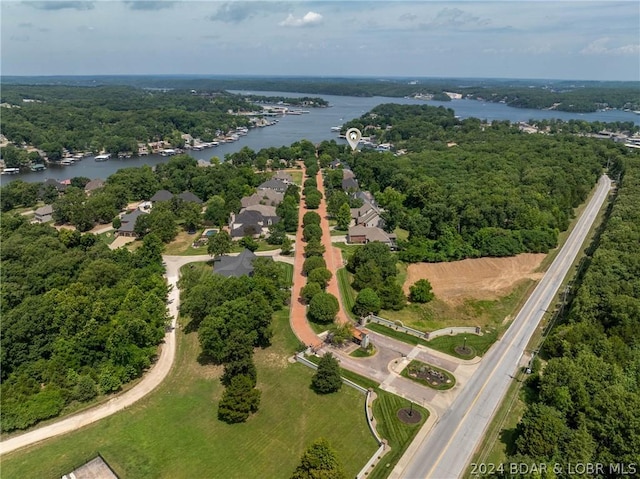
[(398, 434), (174, 433), (479, 344), (385, 409), (439, 314), (346, 291), (288, 272)]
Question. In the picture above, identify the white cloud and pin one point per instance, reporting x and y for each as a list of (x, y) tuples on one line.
[(600, 47), (310, 19)]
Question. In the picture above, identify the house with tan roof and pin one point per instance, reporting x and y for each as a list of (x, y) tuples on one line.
[(263, 197), (362, 235)]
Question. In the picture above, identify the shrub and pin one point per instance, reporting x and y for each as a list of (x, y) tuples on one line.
[(420, 292), (323, 308), (367, 302)]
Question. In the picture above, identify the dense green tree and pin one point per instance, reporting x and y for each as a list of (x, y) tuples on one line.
[(239, 400), (309, 290), (366, 302), (219, 244), (312, 263), (313, 199), (312, 231), (314, 248), (327, 377), (322, 276), (323, 308), (216, 211), (286, 248), (311, 218), (343, 217), (420, 291), (249, 243), (319, 461)]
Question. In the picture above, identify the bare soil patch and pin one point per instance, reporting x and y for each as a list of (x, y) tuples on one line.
[(481, 278)]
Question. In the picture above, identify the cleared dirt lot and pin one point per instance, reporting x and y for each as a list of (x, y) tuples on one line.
[(482, 278)]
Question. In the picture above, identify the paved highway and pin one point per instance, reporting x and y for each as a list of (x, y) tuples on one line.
[(448, 448)]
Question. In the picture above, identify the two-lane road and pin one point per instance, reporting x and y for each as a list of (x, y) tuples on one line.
[(448, 448)]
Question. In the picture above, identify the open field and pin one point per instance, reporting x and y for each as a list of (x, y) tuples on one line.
[(480, 278), (174, 433)]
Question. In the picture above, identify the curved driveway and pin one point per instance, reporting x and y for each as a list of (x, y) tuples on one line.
[(150, 380)]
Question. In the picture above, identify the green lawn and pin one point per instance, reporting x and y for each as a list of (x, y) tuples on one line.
[(288, 271), (445, 344), (346, 291), (439, 314), (398, 434), (479, 344), (385, 409), (174, 433)]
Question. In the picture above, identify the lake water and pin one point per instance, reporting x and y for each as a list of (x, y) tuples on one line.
[(316, 126)]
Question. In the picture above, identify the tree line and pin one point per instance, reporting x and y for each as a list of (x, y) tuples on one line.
[(582, 407), (582, 96), (78, 319), (467, 189)]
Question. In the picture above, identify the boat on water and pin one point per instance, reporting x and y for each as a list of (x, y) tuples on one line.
[(66, 162), (38, 167), (336, 128), (104, 157), (167, 152), (10, 171)]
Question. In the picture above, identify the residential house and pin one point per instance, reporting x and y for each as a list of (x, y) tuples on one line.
[(93, 185), (362, 234), (161, 195), (43, 214), (347, 173), (263, 197), (367, 215), (189, 197), (60, 187), (350, 184), (253, 221), (235, 266), (128, 222), (284, 177), (274, 184)]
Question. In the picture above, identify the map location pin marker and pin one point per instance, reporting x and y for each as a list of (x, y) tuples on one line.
[(353, 137)]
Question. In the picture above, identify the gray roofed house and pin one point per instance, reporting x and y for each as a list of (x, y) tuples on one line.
[(274, 184), (43, 214), (162, 195), (283, 176), (189, 197), (235, 266), (263, 197), (60, 187), (93, 185), (253, 221), (347, 173), (128, 222), (335, 164), (349, 184)]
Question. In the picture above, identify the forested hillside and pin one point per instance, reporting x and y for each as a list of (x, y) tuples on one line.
[(585, 403), (78, 319), (113, 118), (468, 189)]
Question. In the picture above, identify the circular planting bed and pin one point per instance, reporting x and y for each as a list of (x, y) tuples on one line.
[(409, 416), (465, 351)]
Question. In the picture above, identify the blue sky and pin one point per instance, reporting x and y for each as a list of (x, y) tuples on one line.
[(509, 39)]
